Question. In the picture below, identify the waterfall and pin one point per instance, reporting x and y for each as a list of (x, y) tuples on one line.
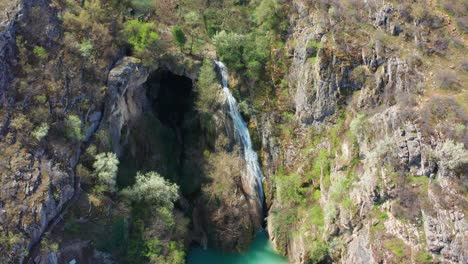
[(242, 135)]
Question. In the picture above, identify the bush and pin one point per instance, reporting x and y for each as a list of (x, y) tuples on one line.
[(269, 15), (423, 257), (451, 155), (448, 80), (317, 252), (464, 65), (73, 128), (179, 36), (208, 88), (397, 247), (41, 131), (140, 35), (11, 247), (289, 189), (86, 48), (21, 123), (154, 190), (40, 52), (242, 53), (143, 6), (105, 169), (313, 48), (462, 23), (359, 75)]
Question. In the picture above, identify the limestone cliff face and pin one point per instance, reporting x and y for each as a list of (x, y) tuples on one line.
[(127, 99), (390, 142)]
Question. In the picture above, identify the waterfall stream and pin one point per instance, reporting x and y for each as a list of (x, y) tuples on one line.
[(242, 135)]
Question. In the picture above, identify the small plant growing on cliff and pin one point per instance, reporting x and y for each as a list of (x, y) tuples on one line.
[(179, 36), (73, 127), (451, 155), (207, 88), (40, 52), (41, 131), (86, 48), (448, 80), (105, 168), (140, 35)]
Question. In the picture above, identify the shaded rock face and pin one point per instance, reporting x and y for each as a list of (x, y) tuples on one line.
[(126, 98), (136, 94)]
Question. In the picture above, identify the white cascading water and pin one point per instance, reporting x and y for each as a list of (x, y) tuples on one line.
[(242, 133)]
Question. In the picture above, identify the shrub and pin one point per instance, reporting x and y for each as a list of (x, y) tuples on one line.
[(21, 123), (269, 15), (464, 65), (451, 155), (448, 80), (73, 128), (140, 35), (313, 48), (317, 252), (154, 190), (229, 48), (40, 52), (397, 247), (143, 6), (289, 189), (423, 257), (105, 169), (242, 53), (321, 169), (359, 75), (86, 48), (440, 46), (462, 23), (11, 247), (41, 131), (208, 88), (179, 36)]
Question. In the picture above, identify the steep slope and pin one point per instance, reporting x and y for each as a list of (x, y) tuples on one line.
[(357, 111)]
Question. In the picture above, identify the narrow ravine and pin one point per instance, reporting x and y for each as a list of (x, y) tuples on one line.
[(242, 135)]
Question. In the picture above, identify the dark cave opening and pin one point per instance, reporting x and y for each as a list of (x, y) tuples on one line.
[(166, 139), (171, 97)]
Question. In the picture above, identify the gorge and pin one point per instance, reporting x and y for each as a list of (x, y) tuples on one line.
[(338, 135)]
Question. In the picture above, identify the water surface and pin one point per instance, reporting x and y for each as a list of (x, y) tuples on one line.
[(260, 252)]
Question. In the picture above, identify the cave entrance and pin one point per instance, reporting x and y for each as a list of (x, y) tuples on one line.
[(171, 97), (166, 138)]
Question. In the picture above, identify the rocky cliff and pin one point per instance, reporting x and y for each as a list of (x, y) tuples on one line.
[(389, 168), (356, 108)]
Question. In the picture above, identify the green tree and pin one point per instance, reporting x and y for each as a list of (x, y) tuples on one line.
[(143, 6), (179, 36), (86, 48), (40, 52), (140, 35), (207, 86), (269, 14), (243, 53), (73, 127), (154, 190), (105, 168)]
